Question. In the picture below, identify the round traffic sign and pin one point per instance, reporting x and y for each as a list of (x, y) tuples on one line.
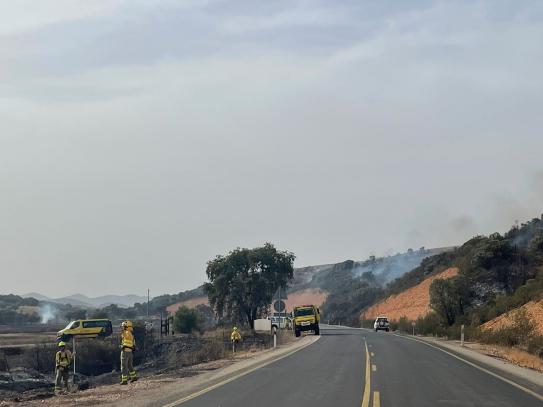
[(279, 306)]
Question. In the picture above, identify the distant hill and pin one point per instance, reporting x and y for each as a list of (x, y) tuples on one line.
[(383, 269), (80, 300), (36, 296)]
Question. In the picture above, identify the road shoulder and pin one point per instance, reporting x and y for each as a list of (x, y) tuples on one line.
[(206, 382)]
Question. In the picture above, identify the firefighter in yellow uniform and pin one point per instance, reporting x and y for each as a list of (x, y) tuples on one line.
[(235, 336), (128, 345), (63, 359)]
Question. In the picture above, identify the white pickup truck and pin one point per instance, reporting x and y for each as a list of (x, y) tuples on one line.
[(280, 322)]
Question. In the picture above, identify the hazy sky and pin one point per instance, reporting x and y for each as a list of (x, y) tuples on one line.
[(139, 138)]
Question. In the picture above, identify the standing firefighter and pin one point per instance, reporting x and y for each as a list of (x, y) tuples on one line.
[(128, 345), (63, 359), (235, 337)]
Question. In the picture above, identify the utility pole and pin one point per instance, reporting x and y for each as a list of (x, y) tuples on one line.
[(147, 303)]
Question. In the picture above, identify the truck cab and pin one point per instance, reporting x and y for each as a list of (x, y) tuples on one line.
[(306, 318)]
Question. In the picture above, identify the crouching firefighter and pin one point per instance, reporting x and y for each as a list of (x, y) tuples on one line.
[(128, 345), (63, 359)]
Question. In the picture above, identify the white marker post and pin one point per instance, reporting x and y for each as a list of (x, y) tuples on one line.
[(462, 335), (413, 325), (74, 380)]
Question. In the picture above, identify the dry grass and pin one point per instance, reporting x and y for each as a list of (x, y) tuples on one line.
[(512, 355), (412, 303), (19, 339)]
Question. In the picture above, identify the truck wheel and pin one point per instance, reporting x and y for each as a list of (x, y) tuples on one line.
[(387, 329), (297, 333)]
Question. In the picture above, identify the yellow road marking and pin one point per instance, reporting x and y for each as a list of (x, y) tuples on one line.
[(497, 376), (372, 354), (231, 379), (367, 386), (376, 399), (373, 368)]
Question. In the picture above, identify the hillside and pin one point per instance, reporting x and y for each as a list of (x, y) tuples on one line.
[(191, 303), (495, 290), (532, 310), (383, 269), (16, 310), (314, 296), (412, 303), (80, 300), (491, 269)]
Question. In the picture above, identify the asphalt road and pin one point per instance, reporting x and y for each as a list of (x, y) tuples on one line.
[(332, 372)]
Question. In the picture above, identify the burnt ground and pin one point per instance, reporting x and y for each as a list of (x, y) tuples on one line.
[(27, 371)]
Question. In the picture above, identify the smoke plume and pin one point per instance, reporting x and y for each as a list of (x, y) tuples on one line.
[(47, 313)]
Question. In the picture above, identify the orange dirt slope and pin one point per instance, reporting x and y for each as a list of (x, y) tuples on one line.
[(534, 310), (192, 303), (411, 303), (314, 296)]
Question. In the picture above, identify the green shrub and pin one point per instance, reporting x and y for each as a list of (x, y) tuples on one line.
[(185, 320), (402, 325)]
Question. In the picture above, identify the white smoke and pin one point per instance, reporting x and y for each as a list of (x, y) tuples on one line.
[(47, 313)]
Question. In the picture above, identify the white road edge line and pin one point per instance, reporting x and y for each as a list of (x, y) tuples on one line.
[(231, 379), (497, 376)]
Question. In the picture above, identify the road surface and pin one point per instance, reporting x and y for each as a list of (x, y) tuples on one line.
[(397, 372)]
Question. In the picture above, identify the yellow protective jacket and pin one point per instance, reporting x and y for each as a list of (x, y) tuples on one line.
[(63, 359), (235, 336), (127, 340)]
